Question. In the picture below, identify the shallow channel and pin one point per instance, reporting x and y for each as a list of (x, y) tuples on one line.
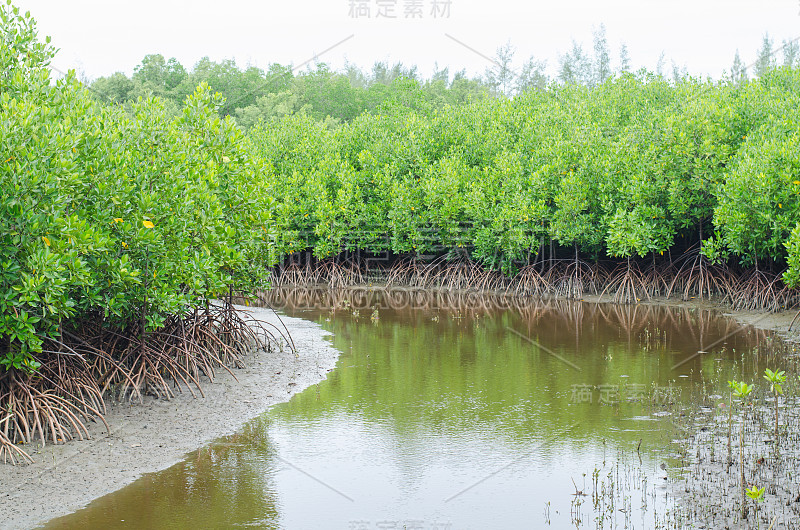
[(458, 411)]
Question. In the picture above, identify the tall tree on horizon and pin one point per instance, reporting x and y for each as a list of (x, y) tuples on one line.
[(765, 59), (355, 75), (791, 52), (678, 73), (440, 75), (532, 76), (738, 70), (624, 58), (384, 74), (660, 64), (602, 56), (575, 66), (500, 77)]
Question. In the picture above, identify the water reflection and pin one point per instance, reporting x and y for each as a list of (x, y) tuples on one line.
[(223, 482), (458, 411)]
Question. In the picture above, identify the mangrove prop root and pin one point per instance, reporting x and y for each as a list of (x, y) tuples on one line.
[(11, 454), (689, 276), (697, 278), (762, 291), (56, 403), (627, 284)]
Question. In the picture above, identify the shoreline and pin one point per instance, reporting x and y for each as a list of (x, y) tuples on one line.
[(152, 436), (777, 322)]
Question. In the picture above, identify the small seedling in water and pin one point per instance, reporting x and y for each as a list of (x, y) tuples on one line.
[(775, 379), (757, 494), (741, 390)]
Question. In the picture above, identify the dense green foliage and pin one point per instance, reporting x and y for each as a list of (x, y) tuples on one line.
[(143, 210), (636, 167), (112, 215)]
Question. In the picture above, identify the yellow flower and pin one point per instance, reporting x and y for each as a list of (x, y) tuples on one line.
[(780, 205), (797, 182), (46, 241), (118, 220), (148, 224), (124, 245)]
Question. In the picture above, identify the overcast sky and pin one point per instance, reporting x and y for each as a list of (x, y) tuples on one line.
[(99, 37)]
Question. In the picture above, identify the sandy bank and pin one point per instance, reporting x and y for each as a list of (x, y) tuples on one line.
[(153, 436)]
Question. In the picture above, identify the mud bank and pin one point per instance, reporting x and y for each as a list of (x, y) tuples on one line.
[(149, 437)]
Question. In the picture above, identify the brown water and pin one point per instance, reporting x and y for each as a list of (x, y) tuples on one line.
[(458, 412)]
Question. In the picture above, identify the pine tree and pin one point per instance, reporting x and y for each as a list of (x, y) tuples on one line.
[(765, 59), (660, 64), (532, 76), (791, 52), (575, 66), (500, 77), (602, 57), (679, 73), (440, 75), (738, 70), (624, 58), (355, 76)]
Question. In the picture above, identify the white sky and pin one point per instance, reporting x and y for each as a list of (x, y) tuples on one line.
[(99, 37)]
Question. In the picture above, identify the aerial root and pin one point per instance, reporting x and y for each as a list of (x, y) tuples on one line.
[(697, 278), (529, 282), (11, 454), (627, 284), (690, 276), (57, 403), (761, 291)]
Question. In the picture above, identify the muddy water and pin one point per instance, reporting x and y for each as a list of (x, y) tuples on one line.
[(458, 412)]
